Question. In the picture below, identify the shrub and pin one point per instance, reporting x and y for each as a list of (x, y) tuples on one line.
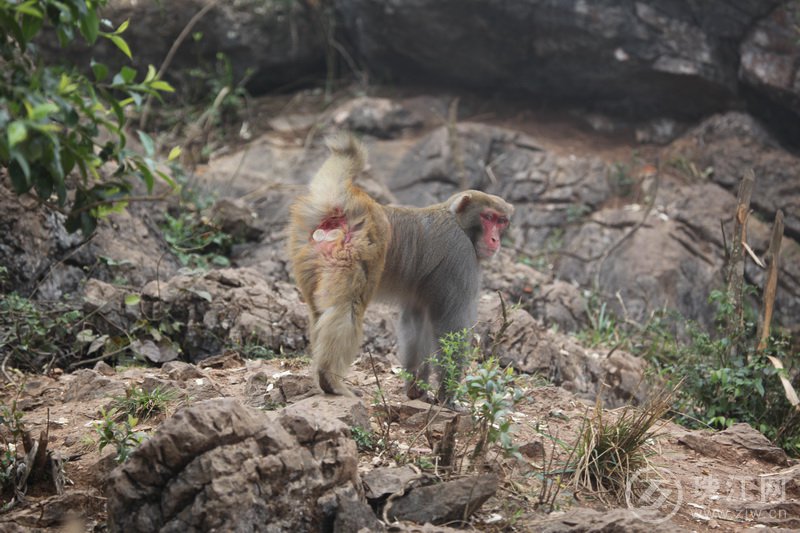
[(726, 380), (57, 120)]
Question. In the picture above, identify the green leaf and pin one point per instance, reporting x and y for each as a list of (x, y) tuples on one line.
[(151, 74), (132, 299), (28, 8), (174, 153), (17, 132), (146, 174), (42, 111), (161, 85), (121, 44), (100, 71), (90, 26), (31, 25), (147, 143), (128, 74), (20, 173), (122, 27)]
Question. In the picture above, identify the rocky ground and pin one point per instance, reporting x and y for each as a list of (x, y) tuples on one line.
[(637, 224)]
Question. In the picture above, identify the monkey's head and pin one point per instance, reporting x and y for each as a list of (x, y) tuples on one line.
[(483, 217)]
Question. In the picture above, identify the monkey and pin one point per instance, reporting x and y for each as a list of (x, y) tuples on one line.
[(347, 250)]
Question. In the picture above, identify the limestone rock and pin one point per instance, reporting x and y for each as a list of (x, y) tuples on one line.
[(220, 465)]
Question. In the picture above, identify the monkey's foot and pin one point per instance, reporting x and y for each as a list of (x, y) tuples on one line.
[(415, 392)]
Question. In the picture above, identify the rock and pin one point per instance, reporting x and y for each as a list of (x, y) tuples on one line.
[(533, 449), (553, 301), (220, 465), (234, 217), (637, 57), (769, 57), (530, 348), (267, 391), (379, 117), (279, 42), (87, 384), (33, 243), (659, 131), (784, 514), (447, 502), (583, 520), (731, 142), (233, 305), (383, 482), (301, 417), (352, 514), (180, 371), (229, 359), (108, 301), (101, 367), (744, 437), (150, 383), (735, 442)]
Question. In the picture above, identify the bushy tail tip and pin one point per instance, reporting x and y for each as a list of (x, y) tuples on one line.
[(345, 144), (329, 185)]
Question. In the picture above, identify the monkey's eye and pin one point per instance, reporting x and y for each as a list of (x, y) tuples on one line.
[(487, 217), (503, 221)]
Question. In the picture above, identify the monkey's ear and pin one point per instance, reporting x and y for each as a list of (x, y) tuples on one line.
[(460, 202)]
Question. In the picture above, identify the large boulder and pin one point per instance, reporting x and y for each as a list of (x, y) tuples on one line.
[(529, 347), (278, 42), (769, 60), (650, 56), (218, 465)]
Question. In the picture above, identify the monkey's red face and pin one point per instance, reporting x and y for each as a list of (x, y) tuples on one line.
[(493, 225)]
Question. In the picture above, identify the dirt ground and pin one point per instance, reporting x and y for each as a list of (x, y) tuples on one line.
[(700, 492)]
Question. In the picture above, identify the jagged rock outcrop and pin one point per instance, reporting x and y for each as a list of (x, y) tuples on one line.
[(218, 465)]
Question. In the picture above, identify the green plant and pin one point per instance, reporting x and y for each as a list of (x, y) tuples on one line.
[(197, 241), (57, 120), (620, 179), (12, 430), (603, 329), (37, 334), (363, 437), (228, 97), (120, 434), (725, 379), (455, 353), (491, 394), (252, 348), (142, 404)]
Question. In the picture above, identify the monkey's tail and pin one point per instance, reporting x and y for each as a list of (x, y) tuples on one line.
[(330, 185), (337, 337)]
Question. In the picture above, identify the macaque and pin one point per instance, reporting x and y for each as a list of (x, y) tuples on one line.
[(346, 250)]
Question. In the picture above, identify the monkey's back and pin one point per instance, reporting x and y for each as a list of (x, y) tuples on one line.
[(430, 260)]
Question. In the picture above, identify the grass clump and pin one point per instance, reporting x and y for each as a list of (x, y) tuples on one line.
[(142, 404), (612, 448)]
